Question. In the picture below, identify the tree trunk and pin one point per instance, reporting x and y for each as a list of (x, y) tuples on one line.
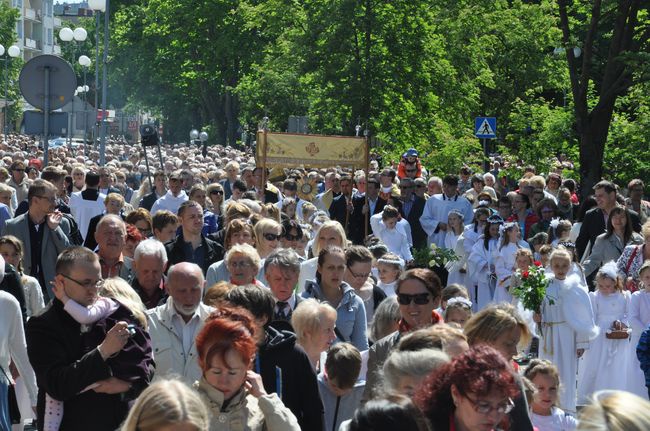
[(593, 137)]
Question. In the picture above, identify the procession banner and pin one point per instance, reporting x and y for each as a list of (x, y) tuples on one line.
[(290, 150)]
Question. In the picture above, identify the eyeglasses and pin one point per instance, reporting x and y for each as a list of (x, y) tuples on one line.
[(18, 170), (411, 170), (485, 408), (272, 237), (355, 275), (290, 237), (51, 199), (419, 298), (240, 264), (420, 186), (405, 187), (86, 284), (216, 192)]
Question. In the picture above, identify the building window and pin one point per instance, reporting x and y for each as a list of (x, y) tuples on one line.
[(19, 30), (17, 3), (49, 37), (48, 7)]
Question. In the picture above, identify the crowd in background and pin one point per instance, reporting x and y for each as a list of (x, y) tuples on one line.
[(201, 289)]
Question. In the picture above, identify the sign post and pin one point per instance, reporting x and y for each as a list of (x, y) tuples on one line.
[(485, 128)]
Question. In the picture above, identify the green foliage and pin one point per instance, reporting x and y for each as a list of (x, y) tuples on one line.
[(8, 17)]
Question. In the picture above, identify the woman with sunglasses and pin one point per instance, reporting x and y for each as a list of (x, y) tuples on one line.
[(418, 294), (291, 235), (215, 195), (471, 393), (330, 287)]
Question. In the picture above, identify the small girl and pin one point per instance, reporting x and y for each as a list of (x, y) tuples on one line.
[(389, 267), (11, 249), (451, 291), (523, 259), (566, 323), (454, 240), (481, 263), (545, 255), (536, 242), (289, 208), (544, 413), (134, 364), (576, 268), (458, 311), (604, 364), (639, 321), (559, 231), (505, 262), (385, 227)]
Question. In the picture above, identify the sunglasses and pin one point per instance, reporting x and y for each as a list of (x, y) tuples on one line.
[(411, 170), (271, 237), (216, 192), (419, 299), (290, 237)]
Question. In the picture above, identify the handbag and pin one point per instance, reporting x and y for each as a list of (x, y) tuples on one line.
[(618, 331)]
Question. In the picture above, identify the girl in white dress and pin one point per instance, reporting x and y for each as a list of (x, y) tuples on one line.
[(454, 241), (389, 267), (385, 227), (604, 365), (639, 321), (505, 263), (567, 325), (544, 412), (481, 264)]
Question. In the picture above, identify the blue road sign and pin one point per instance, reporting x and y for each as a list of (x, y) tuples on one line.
[(485, 127)]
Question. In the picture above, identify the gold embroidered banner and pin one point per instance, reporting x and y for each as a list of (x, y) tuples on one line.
[(290, 150)]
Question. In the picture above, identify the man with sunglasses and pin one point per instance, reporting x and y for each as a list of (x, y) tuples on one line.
[(19, 180), (41, 233)]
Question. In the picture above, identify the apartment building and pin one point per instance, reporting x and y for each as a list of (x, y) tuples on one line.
[(36, 28)]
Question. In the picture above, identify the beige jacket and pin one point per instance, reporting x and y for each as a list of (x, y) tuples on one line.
[(244, 412)]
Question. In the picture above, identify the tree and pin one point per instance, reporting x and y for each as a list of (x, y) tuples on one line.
[(613, 56), (8, 17)]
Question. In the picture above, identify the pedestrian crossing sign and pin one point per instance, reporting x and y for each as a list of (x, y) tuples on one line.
[(485, 127)]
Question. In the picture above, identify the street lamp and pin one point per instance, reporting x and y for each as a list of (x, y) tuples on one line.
[(203, 137), (14, 52), (66, 34), (103, 6), (85, 62)]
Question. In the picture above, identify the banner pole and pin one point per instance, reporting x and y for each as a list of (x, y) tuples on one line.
[(367, 167)]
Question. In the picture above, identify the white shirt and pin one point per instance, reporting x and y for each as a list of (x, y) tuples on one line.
[(169, 202)]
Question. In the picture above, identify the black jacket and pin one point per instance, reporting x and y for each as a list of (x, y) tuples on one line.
[(213, 252), (339, 211), (148, 201), (279, 356), (11, 284), (358, 218), (417, 233), (55, 347)]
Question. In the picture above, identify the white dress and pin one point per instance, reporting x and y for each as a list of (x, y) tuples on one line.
[(505, 267), (455, 242), (557, 421), (567, 325), (396, 239), (604, 365), (388, 288), (480, 264), (639, 321)]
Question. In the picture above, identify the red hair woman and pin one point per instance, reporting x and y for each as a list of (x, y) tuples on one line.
[(232, 391), (471, 393)]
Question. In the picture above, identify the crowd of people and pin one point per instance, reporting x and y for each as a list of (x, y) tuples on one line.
[(202, 291)]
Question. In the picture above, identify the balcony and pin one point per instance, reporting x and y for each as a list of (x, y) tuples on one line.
[(56, 50), (32, 44), (30, 14), (57, 22)]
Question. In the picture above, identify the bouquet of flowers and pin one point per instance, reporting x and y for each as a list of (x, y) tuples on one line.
[(531, 290), (440, 256)]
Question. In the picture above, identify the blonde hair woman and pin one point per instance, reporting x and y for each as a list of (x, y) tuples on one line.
[(615, 411), (168, 405), (267, 236), (330, 233)]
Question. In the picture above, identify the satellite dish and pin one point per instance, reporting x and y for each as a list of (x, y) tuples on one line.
[(62, 81)]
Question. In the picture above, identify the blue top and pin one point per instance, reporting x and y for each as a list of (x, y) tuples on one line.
[(351, 314)]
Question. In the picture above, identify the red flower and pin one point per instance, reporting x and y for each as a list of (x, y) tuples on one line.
[(525, 274), (537, 263)]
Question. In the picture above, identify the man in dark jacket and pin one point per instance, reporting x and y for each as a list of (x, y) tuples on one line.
[(411, 209), (160, 189), (284, 367), (63, 367), (191, 245), (375, 206)]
